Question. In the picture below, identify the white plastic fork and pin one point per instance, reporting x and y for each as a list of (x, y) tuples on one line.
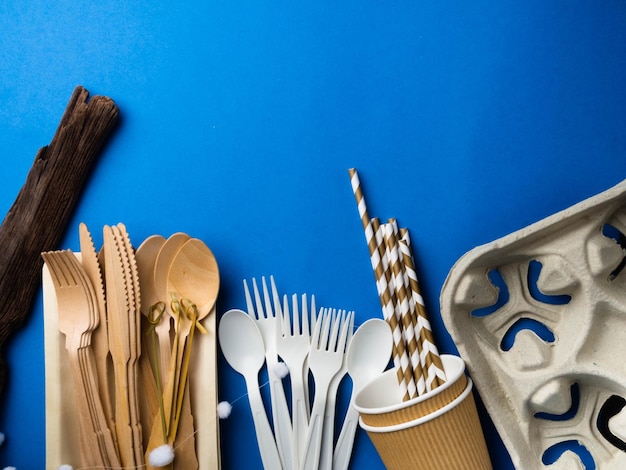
[(293, 344), (267, 322), (328, 434), (325, 360)]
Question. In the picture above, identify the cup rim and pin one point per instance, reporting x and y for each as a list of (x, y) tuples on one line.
[(405, 404), (423, 419)]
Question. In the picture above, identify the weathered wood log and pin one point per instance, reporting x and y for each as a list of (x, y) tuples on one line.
[(39, 215)]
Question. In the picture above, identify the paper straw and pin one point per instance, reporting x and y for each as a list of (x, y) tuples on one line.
[(382, 277), (429, 354), (403, 306), (393, 310)]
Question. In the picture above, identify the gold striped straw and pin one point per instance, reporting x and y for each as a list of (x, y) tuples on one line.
[(403, 305), (429, 354), (382, 278), (394, 310)]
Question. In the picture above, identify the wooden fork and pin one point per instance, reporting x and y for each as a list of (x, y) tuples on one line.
[(77, 317)]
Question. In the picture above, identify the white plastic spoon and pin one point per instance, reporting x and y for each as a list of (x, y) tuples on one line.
[(367, 357), (243, 348)]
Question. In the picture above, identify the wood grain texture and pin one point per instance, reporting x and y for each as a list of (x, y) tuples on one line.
[(39, 215)]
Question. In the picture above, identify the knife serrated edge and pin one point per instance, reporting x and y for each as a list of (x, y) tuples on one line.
[(133, 280), (89, 260), (100, 341), (117, 308), (132, 288), (127, 286)]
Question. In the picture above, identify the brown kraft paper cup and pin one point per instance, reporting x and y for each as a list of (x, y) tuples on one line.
[(437, 430)]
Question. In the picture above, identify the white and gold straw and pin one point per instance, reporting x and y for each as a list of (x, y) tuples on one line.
[(406, 304), (416, 357), (375, 244), (429, 354)]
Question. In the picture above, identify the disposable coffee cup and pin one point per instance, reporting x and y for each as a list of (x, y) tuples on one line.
[(437, 430)]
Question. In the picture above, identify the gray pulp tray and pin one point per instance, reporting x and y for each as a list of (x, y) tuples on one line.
[(540, 318)]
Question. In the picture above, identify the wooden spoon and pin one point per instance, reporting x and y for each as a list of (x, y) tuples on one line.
[(162, 263), (193, 276), (146, 256)]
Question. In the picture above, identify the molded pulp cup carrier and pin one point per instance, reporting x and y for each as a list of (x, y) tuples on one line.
[(540, 318), (437, 430)]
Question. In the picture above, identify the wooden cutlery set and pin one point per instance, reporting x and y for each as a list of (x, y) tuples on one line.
[(135, 328)]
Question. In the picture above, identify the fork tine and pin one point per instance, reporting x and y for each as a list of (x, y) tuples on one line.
[(313, 313), (337, 319), (276, 300), (74, 272), (260, 313), (317, 333), (284, 323), (326, 326), (289, 331), (305, 318), (281, 313), (74, 269), (47, 258), (81, 278), (249, 304), (296, 316), (343, 335), (63, 266), (275, 296), (350, 329), (266, 297), (58, 275)]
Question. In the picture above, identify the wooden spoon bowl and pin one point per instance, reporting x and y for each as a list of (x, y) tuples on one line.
[(194, 275)]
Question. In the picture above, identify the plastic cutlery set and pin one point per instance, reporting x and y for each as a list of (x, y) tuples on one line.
[(309, 342)]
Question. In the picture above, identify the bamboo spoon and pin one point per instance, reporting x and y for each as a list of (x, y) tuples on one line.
[(165, 258), (193, 275), (151, 363), (146, 256), (192, 279), (161, 268), (163, 261)]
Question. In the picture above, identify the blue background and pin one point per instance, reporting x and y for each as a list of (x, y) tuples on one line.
[(466, 121)]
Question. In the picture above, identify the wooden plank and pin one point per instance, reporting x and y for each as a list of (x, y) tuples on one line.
[(39, 215)]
